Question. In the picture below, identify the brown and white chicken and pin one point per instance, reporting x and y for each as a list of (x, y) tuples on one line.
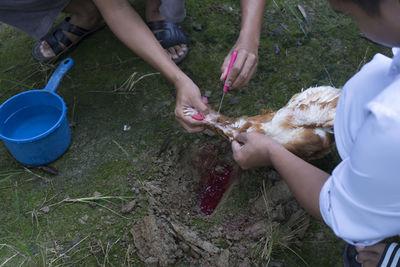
[(304, 126)]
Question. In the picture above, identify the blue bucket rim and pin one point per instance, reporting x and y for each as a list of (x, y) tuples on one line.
[(42, 135)]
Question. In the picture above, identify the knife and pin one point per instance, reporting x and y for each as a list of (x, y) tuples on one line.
[(225, 89)]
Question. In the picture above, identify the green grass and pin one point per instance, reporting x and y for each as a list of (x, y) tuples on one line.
[(104, 158)]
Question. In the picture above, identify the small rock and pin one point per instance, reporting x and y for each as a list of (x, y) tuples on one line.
[(96, 194), (223, 259), (237, 236), (197, 27), (234, 101), (45, 209), (259, 206), (128, 207), (179, 253), (276, 264), (320, 236), (279, 193), (245, 263), (276, 49), (154, 189), (85, 217), (241, 252), (229, 237), (257, 230), (184, 247), (151, 261), (194, 254), (207, 93), (278, 214)]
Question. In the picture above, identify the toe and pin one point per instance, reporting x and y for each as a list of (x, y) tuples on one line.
[(179, 50), (173, 52), (183, 47), (46, 50)]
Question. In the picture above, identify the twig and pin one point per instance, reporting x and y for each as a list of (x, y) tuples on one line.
[(115, 63), (92, 200), (23, 80), (120, 147), (7, 260), (364, 60), (64, 253), (329, 76), (130, 83)]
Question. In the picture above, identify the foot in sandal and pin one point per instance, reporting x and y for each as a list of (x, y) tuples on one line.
[(169, 34), (63, 37)]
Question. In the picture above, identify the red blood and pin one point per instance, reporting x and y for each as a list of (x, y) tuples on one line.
[(198, 117), (217, 183)]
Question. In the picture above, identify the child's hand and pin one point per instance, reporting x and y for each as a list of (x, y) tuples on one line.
[(188, 95), (245, 65), (251, 150)]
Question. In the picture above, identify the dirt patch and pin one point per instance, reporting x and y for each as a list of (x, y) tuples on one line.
[(176, 232)]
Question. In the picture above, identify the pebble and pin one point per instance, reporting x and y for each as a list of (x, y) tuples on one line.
[(45, 209), (207, 93), (276, 49), (128, 207), (197, 27), (234, 101)]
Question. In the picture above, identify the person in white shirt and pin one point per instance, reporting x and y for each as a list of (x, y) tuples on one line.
[(360, 200)]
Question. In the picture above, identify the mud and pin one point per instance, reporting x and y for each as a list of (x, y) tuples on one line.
[(171, 233)]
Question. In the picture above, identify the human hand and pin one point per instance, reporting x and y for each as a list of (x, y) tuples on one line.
[(244, 67), (188, 95), (252, 150)]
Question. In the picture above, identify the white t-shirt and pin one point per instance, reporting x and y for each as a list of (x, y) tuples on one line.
[(361, 199)]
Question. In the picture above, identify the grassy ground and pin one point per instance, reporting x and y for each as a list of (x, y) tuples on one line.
[(40, 225)]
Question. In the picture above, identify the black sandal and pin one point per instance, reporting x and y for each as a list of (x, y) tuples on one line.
[(57, 36), (169, 35)]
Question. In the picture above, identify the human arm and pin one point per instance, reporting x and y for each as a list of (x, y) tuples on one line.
[(303, 179), (129, 27), (247, 44)]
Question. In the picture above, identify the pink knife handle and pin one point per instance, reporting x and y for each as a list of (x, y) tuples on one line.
[(233, 58)]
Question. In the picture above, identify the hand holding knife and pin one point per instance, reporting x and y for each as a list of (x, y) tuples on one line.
[(224, 89)]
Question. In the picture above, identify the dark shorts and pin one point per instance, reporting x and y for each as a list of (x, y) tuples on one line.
[(34, 17)]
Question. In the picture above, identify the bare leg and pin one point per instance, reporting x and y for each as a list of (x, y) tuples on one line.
[(84, 14), (153, 14), (370, 256)]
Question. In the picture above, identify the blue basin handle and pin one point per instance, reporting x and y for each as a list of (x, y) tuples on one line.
[(57, 76)]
